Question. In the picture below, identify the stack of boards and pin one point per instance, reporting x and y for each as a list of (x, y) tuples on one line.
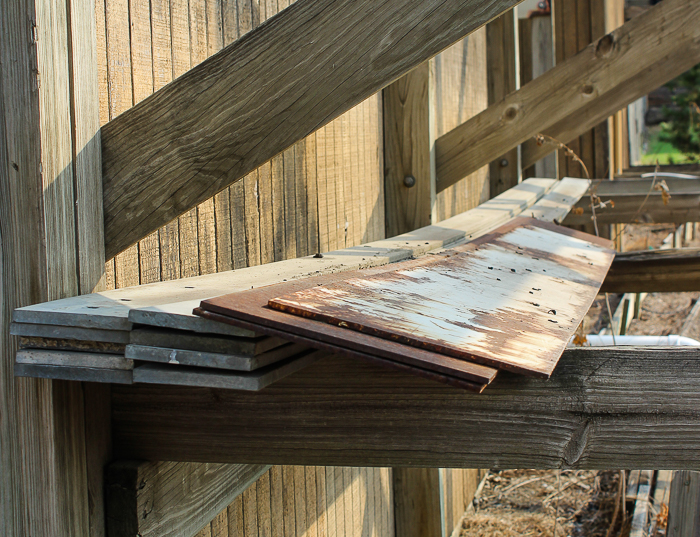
[(156, 345), (509, 300)]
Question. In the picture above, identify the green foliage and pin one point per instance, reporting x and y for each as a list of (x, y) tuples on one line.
[(683, 128)]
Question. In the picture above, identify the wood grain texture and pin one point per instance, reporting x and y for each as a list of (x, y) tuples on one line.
[(683, 505), (588, 415), (111, 310), (409, 137), (598, 69), (629, 197), (461, 87), (87, 156), (502, 46), (417, 502), (171, 498), (674, 270), (43, 482), (196, 168)]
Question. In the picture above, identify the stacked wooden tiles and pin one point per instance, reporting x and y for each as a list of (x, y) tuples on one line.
[(148, 334), (156, 345)]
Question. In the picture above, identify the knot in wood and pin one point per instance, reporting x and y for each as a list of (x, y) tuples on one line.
[(511, 113), (604, 46)]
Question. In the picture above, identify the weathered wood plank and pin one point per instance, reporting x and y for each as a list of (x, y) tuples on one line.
[(417, 502), (586, 78), (602, 408), (154, 373), (502, 46), (198, 145), (409, 157), (684, 505), (179, 498), (210, 359), (635, 201), (110, 310), (672, 270)]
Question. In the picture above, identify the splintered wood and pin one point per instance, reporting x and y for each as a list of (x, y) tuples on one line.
[(511, 299)]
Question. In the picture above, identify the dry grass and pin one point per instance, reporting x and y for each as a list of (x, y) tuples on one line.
[(525, 503)]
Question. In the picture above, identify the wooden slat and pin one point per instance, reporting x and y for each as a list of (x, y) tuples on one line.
[(409, 136), (635, 201), (87, 157), (120, 80), (612, 62), (179, 498), (672, 270), (503, 55), (154, 373), (417, 502), (588, 415), (111, 310), (210, 359), (684, 505), (177, 177), (640, 514)]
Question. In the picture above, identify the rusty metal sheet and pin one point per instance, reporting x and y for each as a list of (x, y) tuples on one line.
[(511, 299)]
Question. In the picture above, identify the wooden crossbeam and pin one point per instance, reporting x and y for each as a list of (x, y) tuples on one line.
[(637, 201), (179, 498), (602, 408), (654, 271), (281, 82), (642, 47)]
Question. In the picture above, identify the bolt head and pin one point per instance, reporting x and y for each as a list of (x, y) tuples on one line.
[(409, 181), (504, 162)]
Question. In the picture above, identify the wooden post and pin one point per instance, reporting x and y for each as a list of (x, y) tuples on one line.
[(51, 247), (409, 150), (503, 60), (684, 505)]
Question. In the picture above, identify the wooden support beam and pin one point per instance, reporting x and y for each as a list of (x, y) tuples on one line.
[(602, 408), (409, 152), (298, 70), (595, 75), (675, 270), (636, 201), (154, 499), (503, 78)]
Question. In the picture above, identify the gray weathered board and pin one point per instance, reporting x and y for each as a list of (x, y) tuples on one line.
[(178, 339), (178, 315), (166, 303), (235, 362), (69, 365), (209, 378), (69, 332), (511, 299)]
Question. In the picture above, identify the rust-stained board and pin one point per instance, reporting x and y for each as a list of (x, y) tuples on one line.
[(510, 299)]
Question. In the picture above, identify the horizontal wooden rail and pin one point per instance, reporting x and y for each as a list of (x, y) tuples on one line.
[(664, 41), (654, 271), (154, 499), (281, 82), (602, 408), (635, 201)]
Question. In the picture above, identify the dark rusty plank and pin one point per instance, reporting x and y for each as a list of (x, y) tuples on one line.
[(249, 309), (461, 373), (510, 282)]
